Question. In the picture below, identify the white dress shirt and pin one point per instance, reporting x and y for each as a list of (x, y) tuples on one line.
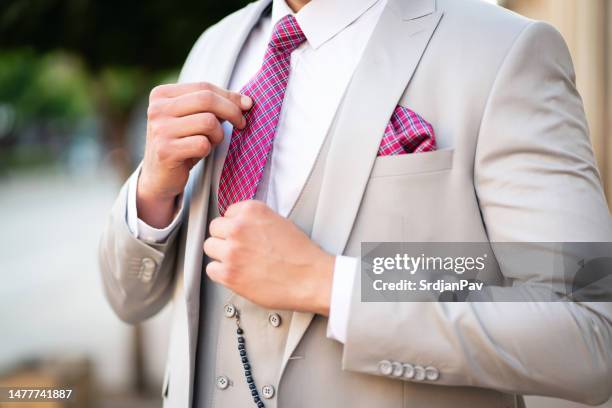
[(337, 32)]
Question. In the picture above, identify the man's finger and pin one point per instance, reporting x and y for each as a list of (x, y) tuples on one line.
[(235, 209), (221, 227), (215, 248), (192, 147), (198, 124), (205, 101), (255, 206), (216, 271), (175, 90)]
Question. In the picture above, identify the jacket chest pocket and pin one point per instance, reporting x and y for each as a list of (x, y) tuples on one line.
[(407, 198), (413, 163)]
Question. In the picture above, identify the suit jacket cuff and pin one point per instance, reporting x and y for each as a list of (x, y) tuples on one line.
[(141, 229)]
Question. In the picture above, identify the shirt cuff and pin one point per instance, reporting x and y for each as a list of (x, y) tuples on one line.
[(141, 229), (345, 269)]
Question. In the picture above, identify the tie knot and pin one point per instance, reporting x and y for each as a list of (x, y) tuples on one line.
[(287, 35)]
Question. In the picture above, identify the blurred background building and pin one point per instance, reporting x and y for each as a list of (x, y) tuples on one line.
[(74, 80)]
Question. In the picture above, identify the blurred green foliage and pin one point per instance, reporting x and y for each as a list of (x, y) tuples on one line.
[(43, 88), (77, 68)]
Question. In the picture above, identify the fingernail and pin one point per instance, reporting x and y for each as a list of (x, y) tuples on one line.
[(246, 102)]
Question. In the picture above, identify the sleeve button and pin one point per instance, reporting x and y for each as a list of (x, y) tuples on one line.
[(398, 369), (385, 367), (432, 373), (419, 373), (147, 270), (408, 371)]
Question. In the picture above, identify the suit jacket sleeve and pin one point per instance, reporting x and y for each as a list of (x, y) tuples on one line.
[(536, 181), (138, 275)]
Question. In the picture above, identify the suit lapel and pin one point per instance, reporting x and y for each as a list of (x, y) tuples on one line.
[(220, 73), (388, 63)]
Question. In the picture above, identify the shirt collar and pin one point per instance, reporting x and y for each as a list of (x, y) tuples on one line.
[(321, 20)]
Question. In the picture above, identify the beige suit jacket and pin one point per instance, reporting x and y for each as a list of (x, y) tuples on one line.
[(515, 164)]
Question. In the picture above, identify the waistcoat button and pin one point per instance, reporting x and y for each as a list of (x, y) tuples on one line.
[(222, 382), (274, 319), (229, 310), (267, 391)]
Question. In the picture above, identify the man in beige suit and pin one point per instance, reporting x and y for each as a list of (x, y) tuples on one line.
[(277, 273)]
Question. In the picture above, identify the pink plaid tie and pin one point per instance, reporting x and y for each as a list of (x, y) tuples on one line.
[(250, 147)]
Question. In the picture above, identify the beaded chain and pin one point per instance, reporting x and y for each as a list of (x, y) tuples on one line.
[(245, 363)]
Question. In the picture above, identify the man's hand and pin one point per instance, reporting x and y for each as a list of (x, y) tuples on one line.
[(182, 127), (267, 259)]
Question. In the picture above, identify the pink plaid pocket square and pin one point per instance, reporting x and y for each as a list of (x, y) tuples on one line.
[(405, 133)]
